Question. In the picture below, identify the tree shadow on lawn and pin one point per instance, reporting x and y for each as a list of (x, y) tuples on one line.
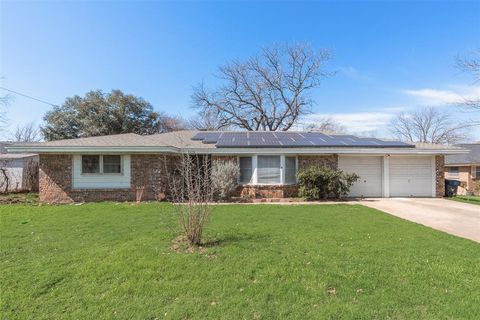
[(180, 243), (233, 238)]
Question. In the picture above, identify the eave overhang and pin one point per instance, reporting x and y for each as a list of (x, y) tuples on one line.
[(475, 164), (231, 151), (75, 150)]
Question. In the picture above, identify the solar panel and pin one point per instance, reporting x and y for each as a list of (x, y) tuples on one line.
[(263, 139), (199, 136), (207, 137)]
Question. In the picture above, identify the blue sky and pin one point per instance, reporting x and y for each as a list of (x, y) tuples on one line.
[(389, 56)]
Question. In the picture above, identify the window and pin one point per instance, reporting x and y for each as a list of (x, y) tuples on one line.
[(290, 170), (98, 164), (245, 169), (453, 171), (90, 164), (477, 172), (112, 164), (268, 169)]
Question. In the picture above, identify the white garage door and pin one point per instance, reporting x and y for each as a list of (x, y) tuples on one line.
[(411, 177), (370, 171)]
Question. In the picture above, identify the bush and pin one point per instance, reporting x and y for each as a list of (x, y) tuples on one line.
[(322, 183), (224, 178)]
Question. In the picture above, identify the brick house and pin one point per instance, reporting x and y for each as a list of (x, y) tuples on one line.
[(465, 168), (115, 167)]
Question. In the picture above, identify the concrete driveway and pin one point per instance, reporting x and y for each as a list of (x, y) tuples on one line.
[(457, 218)]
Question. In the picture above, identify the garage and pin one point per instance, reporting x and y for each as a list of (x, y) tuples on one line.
[(390, 176), (411, 176), (370, 171)]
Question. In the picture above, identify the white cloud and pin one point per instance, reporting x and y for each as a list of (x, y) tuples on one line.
[(358, 122), (435, 97)]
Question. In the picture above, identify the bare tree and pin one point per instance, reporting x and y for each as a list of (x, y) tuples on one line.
[(192, 194), (326, 125), (26, 133), (373, 133), (427, 125), (208, 120), (9, 177), (167, 123), (4, 177), (30, 175), (471, 65), (13, 180), (270, 91)]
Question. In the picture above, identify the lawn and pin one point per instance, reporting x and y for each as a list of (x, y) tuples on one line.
[(21, 197), (114, 261), (467, 199)]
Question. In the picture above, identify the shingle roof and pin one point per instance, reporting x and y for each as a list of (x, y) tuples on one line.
[(128, 139), (8, 156), (3, 146), (179, 139), (171, 139), (469, 158), (434, 146), (183, 139)]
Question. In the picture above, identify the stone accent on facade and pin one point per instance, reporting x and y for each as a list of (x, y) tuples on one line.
[(440, 175)]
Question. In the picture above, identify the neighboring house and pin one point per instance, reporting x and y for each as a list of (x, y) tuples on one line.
[(18, 171), (115, 167), (465, 168)]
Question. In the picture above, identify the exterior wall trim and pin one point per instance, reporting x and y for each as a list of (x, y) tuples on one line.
[(386, 176)]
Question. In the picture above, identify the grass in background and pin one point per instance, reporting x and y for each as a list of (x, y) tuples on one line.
[(19, 197), (467, 199), (114, 261)]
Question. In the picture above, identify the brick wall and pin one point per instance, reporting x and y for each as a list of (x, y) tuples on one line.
[(55, 178), (440, 175), (465, 175), (147, 172), (267, 191), (330, 161), (286, 191)]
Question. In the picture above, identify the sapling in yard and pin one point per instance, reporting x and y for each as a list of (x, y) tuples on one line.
[(192, 193)]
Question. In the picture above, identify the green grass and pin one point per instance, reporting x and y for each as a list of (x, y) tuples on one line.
[(114, 261), (467, 199), (19, 197)]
